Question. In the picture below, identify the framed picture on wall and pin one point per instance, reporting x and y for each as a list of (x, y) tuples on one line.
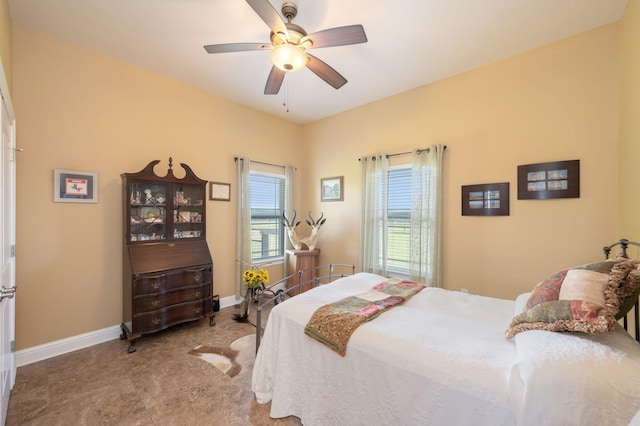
[(74, 187), (558, 179), (219, 191), (331, 189), (488, 199)]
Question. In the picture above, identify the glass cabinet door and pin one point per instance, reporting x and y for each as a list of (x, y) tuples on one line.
[(188, 211), (148, 211)]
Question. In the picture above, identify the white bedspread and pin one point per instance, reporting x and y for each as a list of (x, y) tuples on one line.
[(447, 368), (442, 359), (575, 378)]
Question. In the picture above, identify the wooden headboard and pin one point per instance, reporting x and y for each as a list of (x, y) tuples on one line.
[(634, 315)]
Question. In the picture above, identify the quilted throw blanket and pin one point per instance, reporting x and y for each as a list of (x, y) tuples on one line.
[(333, 324)]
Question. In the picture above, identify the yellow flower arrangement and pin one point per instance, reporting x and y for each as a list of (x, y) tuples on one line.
[(255, 277)]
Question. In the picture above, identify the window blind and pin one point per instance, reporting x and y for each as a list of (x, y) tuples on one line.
[(398, 219), (267, 204)]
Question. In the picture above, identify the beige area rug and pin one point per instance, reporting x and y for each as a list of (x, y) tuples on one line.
[(240, 353)]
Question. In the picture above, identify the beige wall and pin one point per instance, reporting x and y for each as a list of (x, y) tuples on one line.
[(80, 110), (5, 40), (559, 102), (629, 152)]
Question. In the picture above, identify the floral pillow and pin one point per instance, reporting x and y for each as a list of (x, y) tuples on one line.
[(628, 294), (583, 298)]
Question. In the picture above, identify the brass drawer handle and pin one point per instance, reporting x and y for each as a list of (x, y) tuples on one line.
[(197, 274), (155, 303), (156, 321), (197, 310), (196, 293), (155, 285)]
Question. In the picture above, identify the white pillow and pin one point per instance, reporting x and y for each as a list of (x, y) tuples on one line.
[(521, 301)]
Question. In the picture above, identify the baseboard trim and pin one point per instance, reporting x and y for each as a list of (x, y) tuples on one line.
[(63, 346), (81, 341)]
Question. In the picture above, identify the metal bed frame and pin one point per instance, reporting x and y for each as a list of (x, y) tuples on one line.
[(635, 313), (278, 291)]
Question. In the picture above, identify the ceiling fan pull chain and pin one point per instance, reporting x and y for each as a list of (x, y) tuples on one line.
[(285, 102)]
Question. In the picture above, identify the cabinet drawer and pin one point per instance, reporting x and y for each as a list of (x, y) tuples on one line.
[(195, 276), (157, 301), (164, 282), (163, 318)]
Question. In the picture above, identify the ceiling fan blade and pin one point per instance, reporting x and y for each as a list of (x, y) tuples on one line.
[(339, 36), (276, 76), (325, 72), (236, 47), (269, 15)]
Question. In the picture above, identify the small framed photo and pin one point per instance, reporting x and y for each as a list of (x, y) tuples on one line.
[(219, 191), (488, 199), (331, 189), (558, 179), (184, 216), (74, 187)]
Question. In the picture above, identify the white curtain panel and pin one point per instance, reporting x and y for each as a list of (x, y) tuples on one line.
[(289, 185), (426, 215), (373, 236), (243, 225)]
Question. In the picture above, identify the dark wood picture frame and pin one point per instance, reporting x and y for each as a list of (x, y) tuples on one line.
[(332, 188), (219, 191), (556, 179), (487, 199)]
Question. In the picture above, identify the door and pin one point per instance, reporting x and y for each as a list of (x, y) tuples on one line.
[(7, 248)]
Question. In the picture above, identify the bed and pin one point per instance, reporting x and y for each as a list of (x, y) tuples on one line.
[(442, 357)]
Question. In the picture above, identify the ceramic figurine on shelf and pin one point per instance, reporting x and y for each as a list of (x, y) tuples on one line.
[(148, 198), (135, 197), (179, 198)]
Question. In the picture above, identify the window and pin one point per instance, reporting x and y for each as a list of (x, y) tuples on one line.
[(401, 216), (398, 219), (267, 205)]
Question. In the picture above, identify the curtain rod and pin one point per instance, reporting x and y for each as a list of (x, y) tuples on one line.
[(407, 152), (261, 162)]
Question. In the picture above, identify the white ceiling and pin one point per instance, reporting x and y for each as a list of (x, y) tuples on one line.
[(410, 43)]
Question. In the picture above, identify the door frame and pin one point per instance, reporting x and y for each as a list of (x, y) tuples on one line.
[(7, 242)]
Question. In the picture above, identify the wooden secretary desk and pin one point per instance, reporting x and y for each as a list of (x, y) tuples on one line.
[(167, 266)]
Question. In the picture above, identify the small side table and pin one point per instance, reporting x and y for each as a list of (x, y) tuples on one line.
[(301, 260)]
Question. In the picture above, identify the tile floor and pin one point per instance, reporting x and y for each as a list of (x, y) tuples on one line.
[(159, 384)]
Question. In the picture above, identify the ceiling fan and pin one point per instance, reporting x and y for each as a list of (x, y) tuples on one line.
[(290, 42)]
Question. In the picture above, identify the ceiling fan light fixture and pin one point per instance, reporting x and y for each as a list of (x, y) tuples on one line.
[(288, 57)]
